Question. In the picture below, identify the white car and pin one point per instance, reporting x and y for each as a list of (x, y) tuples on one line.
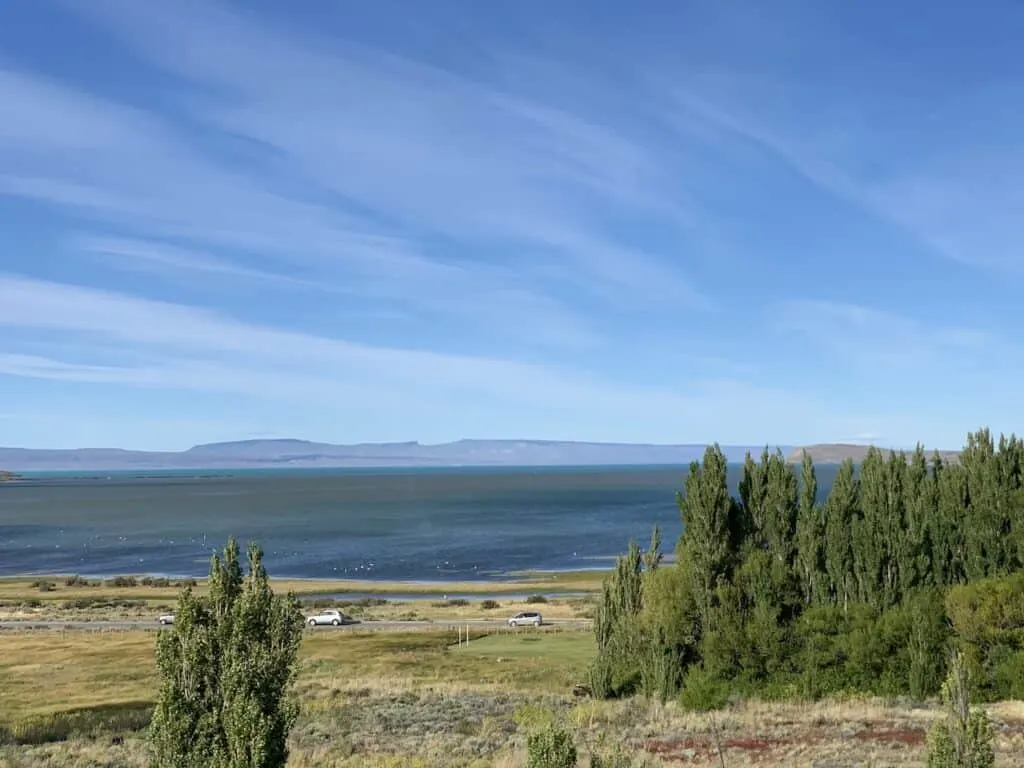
[(333, 618), (528, 618), (166, 619)]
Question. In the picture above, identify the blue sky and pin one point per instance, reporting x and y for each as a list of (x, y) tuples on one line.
[(658, 221)]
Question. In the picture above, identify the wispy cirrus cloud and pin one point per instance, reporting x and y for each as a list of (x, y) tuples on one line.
[(425, 148), (959, 197), (878, 342)]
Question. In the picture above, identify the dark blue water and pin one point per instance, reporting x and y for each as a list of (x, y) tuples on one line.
[(378, 524)]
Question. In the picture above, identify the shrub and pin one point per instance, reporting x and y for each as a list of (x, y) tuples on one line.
[(87, 722), (456, 603), (122, 581), (490, 605), (551, 747), (964, 740), (76, 581), (43, 586), (536, 599), (702, 692)]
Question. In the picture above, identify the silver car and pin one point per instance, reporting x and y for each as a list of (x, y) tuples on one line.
[(167, 619), (526, 618), (332, 618)]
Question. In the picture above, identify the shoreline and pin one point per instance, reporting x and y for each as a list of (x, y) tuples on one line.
[(539, 582)]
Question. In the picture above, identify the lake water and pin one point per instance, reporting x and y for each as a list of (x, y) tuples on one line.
[(380, 524)]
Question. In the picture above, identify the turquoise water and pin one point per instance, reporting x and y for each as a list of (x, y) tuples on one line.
[(444, 524)]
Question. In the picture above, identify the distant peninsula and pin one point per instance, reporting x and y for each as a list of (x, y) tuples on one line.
[(837, 453), (5, 476), (290, 453)]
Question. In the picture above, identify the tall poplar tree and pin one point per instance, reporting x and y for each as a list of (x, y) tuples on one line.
[(781, 509), (985, 542), (919, 507), (709, 518), (753, 498), (949, 539), (226, 671), (810, 536), (840, 510), (868, 529), (892, 527)]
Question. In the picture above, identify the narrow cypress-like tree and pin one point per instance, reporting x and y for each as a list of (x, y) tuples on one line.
[(810, 535), (985, 544), (868, 529), (840, 510), (226, 670), (892, 527), (951, 522), (781, 509), (753, 499), (919, 507), (709, 516)]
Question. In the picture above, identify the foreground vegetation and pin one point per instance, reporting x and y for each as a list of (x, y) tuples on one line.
[(417, 700), (778, 595)]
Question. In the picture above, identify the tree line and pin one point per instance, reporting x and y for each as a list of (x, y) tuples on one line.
[(777, 592)]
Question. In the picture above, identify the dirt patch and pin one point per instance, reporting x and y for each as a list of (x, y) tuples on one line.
[(911, 738), (681, 750)]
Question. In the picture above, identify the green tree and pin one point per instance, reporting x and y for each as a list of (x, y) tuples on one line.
[(781, 509), (621, 646), (987, 520), (810, 536), (913, 549), (840, 509), (710, 518), (226, 670), (948, 539), (868, 529), (753, 488)]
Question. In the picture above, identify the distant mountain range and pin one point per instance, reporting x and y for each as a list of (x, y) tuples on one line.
[(256, 454)]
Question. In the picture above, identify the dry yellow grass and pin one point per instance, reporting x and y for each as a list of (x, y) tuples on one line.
[(45, 672), (411, 699)]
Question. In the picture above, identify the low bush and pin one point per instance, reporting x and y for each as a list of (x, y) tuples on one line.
[(536, 599), (490, 605), (456, 603), (43, 586), (78, 723), (122, 582), (551, 747)]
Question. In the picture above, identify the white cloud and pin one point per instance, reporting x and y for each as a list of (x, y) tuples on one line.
[(882, 344), (960, 198), (176, 347), (427, 148)]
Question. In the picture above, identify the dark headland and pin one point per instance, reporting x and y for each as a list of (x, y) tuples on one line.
[(837, 453)]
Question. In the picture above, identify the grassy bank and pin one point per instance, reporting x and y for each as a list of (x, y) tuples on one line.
[(418, 700), (143, 588)]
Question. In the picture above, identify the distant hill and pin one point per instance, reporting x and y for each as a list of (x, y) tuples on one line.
[(284, 453), (836, 453)]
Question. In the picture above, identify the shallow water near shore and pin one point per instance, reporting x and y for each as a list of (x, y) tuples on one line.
[(408, 524)]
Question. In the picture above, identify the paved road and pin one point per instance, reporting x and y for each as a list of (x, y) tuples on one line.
[(380, 626)]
